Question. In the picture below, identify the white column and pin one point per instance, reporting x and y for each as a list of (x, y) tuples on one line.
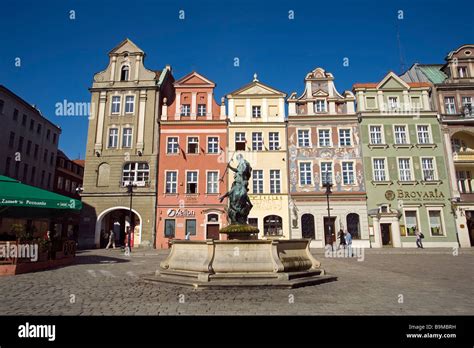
[(209, 106), (291, 108), (164, 110), (396, 233), (193, 106), (281, 108), (351, 107), (264, 110), (376, 227), (450, 163), (310, 108), (426, 101), (248, 109), (112, 69), (137, 67), (222, 108), (100, 121), (231, 109), (332, 107), (406, 101), (141, 121), (309, 92), (380, 101)]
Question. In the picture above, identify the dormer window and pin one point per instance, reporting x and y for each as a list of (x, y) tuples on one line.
[(392, 103), (201, 110), (320, 106), (256, 112), (462, 72), (186, 110), (124, 74)]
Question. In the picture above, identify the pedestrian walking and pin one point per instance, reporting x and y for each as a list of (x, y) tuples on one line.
[(342, 239), (111, 239), (419, 237), (348, 240)]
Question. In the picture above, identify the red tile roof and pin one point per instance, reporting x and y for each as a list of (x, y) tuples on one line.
[(79, 162)]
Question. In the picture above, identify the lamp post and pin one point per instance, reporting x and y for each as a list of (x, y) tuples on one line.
[(130, 187), (328, 186)]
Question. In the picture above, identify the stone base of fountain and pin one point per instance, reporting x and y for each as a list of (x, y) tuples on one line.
[(240, 263)]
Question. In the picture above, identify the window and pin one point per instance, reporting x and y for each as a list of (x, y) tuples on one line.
[(51, 159), (191, 182), (23, 120), (275, 181), (49, 181), (42, 177), (256, 111), (320, 106), (193, 145), (467, 106), (135, 172), (257, 181), (201, 110), (32, 124), (25, 172), (353, 225), (60, 182), (116, 104), (48, 134), (240, 141), (375, 134), (427, 167), (124, 74), (257, 141), (370, 102), (38, 129), (36, 151), (379, 169), (436, 226), (171, 182), (11, 140), (404, 169), (274, 141), (213, 145), (186, 110), (305, 173), (449, 105), (127, 137), (415, 103), (348, 173), (169, 228), (344, 137), (172, 145), (326, 173), (54, 138), (129, 104), (20, 144), (392, 103), (2, 104), (324, 137), (45, 155), (15, 115), (303, 138), (17, 172), (212, 182), (272, 225), (67, 186), (113, 137), (411, 222), (213, 218), (33, 175), (191, 227), (462, 71), (400, 135), (7, 166), (73, 186), (423, 134)]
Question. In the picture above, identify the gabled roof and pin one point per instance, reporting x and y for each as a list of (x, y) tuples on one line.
[(126, 45), (424, 73), (194, 78), (391, 75), (256, 83)]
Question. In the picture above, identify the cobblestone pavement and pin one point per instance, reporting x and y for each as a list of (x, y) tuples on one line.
[(105, 282)]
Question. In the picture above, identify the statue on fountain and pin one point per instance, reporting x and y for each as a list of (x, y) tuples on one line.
[(239, 202)]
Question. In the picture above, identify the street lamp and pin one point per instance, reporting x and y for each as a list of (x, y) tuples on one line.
[(328, 186), (130, 187)]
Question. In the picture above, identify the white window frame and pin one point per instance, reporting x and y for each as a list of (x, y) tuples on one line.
[(116, 137), (298, 137), (197, 182), (410, 169), (275, 181), (123, 137), (417, 212), (345, 137), (112, 103), (392, 106), (382, 134), (435, 169), (134, 170), (213, 183), (240, 141), (323, 173), (258, 181), (256, 111), (128, 96), (385, 169), (168, 143), (320, 106), (443, 222), (197, 146), (274, 144), (216, 145), (310, 173), (257, 145), (354, 181), (450, 108), (430, 136), (329, 130), (201, 112), (407, 134), (175, 182), (185, 110)]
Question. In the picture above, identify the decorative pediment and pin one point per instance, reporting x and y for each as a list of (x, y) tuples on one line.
[(320, 93), (126, 45), (318, 73), (257, 88), (392, 81), (194, 79)]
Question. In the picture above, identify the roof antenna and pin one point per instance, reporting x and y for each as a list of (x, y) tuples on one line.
[(400, 53)]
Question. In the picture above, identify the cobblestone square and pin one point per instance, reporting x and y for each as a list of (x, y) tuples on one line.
[(388, 281)]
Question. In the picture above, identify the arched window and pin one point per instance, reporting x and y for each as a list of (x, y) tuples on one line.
[(353, 225), (124, 74), (307, 226), (272, 226), (103, 173), (136, 173), (213, 218)]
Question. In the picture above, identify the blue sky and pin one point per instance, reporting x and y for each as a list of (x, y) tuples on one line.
[(59, 56)]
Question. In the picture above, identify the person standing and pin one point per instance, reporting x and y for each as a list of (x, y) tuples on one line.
[(348, 239), (342, 239), (111, 239), (419, 236)]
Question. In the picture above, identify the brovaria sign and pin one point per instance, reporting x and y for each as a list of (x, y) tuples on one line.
[(420, 195)]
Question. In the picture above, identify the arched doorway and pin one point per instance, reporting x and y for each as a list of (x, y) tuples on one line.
[(353, 225), (272, 225), (117, 219), (307, 226)]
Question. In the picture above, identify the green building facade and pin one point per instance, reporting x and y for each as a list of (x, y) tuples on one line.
[(405, 170)]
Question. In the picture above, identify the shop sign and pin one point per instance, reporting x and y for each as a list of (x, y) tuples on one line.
[(415, 195), (180, 213)]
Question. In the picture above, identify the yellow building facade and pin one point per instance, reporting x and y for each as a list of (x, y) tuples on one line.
[(257, 130)]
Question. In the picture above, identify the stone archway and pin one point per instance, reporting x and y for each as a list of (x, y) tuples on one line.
[(100, 223)]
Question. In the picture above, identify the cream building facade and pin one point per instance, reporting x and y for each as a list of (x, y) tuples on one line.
[(122, 148), (257, 130)]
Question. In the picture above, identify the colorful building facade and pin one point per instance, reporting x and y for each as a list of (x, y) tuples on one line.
[(324, 146), (257, 130), (192, 163), (408, 186)]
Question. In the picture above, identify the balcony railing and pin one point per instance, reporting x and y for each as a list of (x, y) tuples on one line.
[(466, 185), (463, 155)]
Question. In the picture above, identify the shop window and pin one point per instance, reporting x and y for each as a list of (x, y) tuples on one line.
[(353, 225), (191, 227), (169, 228), (272, 226)]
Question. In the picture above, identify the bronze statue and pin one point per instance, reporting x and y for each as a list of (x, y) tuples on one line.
[(239, 202)]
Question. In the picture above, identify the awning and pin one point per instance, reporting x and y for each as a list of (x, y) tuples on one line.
[(15, 194)]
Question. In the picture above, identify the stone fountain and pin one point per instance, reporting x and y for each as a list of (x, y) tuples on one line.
[(242, 260)]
